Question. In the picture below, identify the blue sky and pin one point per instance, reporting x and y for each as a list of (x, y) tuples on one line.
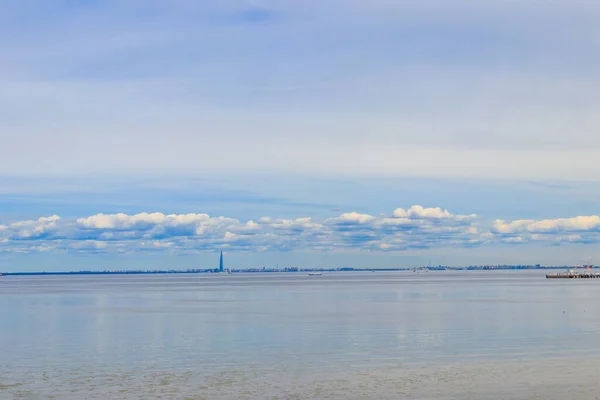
[(295, 110)]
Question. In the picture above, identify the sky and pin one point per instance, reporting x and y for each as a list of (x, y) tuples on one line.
[(385, 133)]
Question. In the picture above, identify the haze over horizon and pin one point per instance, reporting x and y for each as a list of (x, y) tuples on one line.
[(385, 133)]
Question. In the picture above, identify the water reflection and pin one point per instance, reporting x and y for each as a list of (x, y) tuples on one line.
[(277, 326)]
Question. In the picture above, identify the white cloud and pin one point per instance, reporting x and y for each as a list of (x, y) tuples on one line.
[(418, 212), (139, 221), (580, 229), (30, 229), (416, 227), (559, 225), (88, 245), (351, 218)]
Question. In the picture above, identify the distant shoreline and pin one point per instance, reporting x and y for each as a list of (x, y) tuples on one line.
[(303, 270)]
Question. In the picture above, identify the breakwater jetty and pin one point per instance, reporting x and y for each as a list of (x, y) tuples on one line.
[(573, 275)]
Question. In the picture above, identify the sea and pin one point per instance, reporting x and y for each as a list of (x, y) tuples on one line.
[(342, 335)]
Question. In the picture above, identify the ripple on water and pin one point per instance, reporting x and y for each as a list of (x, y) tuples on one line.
[(549, 379)]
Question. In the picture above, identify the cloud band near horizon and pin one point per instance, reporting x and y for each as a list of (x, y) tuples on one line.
[(404, 229)]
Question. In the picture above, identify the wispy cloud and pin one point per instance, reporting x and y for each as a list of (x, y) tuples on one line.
[(475, 88), (254, 15)]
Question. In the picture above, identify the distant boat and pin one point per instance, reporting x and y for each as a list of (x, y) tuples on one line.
[(314, 273)]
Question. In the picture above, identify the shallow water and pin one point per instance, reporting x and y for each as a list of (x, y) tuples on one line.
[(472, 334)]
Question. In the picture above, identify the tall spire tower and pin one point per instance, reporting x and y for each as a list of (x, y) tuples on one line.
[(221, 262)]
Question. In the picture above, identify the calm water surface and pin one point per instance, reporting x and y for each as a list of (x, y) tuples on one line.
[(484, 334)]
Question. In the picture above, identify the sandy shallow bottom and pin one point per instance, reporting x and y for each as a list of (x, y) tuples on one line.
[(560, 378)]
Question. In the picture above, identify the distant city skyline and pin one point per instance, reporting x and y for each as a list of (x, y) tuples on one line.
[(342, 133)]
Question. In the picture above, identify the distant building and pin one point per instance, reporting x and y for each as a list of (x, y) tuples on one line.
[(221, 262)]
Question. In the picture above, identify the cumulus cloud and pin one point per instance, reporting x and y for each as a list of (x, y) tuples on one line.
[(580, 229), (416, 227), (419, 212), (352, 219), (575, 224), (30, 229)]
